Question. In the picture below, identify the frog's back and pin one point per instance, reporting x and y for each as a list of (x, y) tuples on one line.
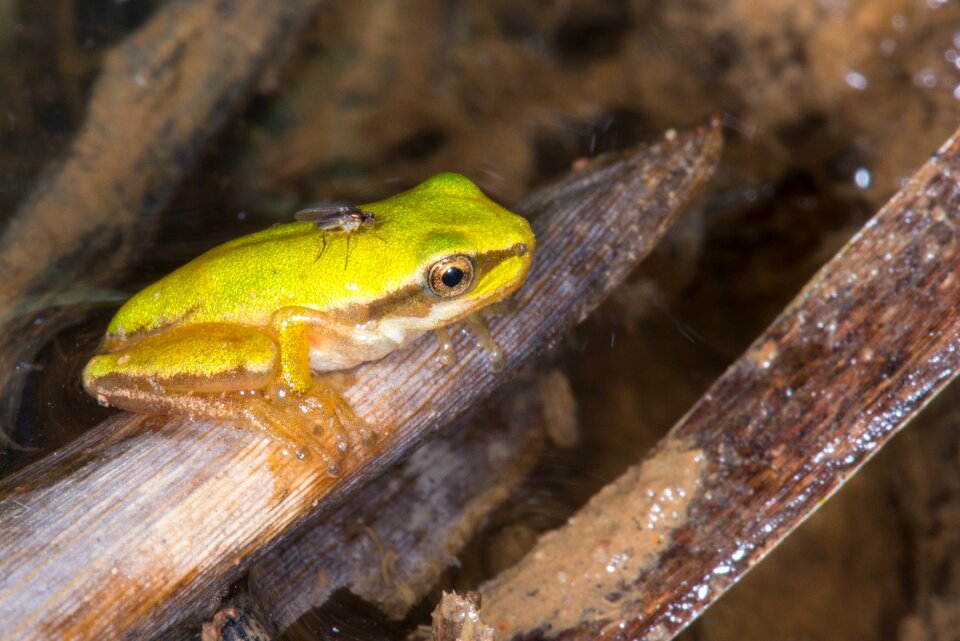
[(241, 281), (359, 274)]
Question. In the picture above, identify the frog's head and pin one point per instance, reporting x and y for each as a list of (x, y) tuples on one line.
[(462, 251)]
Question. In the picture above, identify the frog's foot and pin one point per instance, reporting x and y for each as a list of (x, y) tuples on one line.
[(481, 333), (317, 422), (292, 431), (336, 415), (447, 354)]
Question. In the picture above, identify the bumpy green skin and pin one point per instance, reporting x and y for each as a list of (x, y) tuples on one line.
[(246, 280)]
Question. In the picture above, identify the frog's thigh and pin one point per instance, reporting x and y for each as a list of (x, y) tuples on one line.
[(211, 357)]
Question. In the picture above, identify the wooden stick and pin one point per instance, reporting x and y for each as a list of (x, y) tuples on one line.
[(160, 98), (866, 345), (124, 530)]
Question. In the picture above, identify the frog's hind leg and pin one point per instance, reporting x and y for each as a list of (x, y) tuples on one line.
[(217, 371), (295, 433)]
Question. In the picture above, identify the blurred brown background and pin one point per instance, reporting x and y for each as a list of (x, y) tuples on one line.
[(829, 105)]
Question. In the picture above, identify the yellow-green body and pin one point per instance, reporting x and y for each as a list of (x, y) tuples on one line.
[(259, 313)]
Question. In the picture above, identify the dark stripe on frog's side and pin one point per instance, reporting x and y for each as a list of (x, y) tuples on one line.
[(487, 260), (410, 301)]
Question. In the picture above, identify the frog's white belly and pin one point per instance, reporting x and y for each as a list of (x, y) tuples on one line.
[(368, 342), (375, 339)]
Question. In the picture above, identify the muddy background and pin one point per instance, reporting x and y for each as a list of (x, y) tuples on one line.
[(828, 106)]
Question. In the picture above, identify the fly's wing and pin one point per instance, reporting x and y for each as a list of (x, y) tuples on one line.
[(329, 218)]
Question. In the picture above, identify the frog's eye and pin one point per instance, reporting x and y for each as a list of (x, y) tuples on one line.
[(450, 276)]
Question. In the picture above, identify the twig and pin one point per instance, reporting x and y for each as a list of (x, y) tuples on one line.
[(162, 95)]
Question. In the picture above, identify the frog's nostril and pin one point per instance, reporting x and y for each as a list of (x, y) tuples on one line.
[(520, 249)]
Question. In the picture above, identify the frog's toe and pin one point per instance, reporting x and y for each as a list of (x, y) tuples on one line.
[(336, 415), (331, 461), (309, 446), (290, 427)]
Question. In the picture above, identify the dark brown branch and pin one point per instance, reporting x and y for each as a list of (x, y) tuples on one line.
[(125, 529), (870, 340), (160, 98)]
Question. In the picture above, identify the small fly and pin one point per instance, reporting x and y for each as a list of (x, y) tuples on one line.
[(330, 218)]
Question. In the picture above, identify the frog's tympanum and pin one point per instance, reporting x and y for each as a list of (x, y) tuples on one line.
[(242, 330)]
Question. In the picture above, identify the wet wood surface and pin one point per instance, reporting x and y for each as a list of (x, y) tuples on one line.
[(862, 349), (456, 618), (124, 530)]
